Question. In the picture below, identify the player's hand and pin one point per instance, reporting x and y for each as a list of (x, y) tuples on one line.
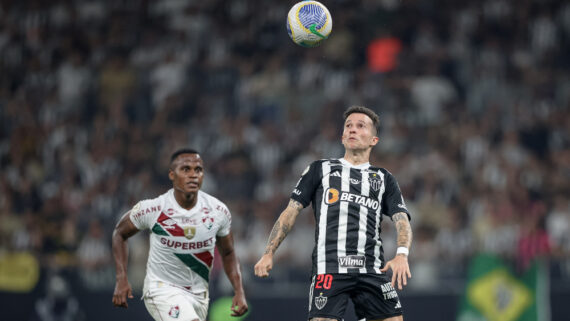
[(122, 291), (400, 270), (239, 305), (264, 265)]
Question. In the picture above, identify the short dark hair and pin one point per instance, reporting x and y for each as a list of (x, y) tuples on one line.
[(366, 111), (182, 151)]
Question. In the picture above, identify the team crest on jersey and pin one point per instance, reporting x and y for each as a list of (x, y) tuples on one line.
[(321, 301), (174, 312), (375, 182), (189, 232), (208, 221), (169, 212)]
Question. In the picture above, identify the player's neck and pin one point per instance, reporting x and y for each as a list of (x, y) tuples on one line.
[(186, 201), (357, 157)]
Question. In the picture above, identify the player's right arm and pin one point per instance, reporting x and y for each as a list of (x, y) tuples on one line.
[(280, 230), (124, 229)]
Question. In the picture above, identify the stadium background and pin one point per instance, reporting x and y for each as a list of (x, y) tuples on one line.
[(474, 98)]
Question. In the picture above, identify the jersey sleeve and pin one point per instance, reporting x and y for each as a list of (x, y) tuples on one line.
[(144, 214), (306, 186), (226, 220), (393, 201)]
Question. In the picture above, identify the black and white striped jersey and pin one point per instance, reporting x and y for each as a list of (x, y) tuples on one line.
[(348, 202)]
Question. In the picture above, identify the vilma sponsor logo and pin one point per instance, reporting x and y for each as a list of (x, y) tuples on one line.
[(352, 261)]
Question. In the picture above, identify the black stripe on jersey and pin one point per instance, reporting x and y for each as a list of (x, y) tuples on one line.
[(353, 213), (333, 216), (372, 224), (331, 238)]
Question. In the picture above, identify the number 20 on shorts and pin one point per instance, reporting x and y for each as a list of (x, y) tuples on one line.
[(324, 281)]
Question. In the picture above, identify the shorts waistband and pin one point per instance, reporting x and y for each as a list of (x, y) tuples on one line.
[(201, 294)]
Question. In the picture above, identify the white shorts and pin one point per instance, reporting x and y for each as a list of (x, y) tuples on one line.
[(171, 303)]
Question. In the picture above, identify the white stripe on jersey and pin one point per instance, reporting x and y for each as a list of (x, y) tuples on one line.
[(363, 215), (321, 242), (343, 218), (377, 261)]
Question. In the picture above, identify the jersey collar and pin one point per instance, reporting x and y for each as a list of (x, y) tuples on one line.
[(177, 206), (347, 163)]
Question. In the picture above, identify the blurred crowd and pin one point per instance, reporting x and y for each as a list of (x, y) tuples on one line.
[(473, 96)]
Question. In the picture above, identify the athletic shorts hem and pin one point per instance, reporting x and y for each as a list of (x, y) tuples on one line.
[(324, 316), (385, 316)]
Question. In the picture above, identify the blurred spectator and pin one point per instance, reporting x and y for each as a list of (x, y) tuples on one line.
[(94, 257)]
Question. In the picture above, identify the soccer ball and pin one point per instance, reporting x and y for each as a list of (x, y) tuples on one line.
[(309, 23)]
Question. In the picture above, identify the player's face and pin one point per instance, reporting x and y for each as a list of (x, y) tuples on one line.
[(187, 173), (359, 132)]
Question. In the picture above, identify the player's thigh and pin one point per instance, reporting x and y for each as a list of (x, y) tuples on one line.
[(176, 304), (328, 296), (376, 299)]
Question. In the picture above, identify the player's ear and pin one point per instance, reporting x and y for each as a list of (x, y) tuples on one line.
[(171, 174), (375, 140)]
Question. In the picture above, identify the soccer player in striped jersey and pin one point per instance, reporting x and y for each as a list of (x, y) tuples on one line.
[(349, 198), (185, 224)]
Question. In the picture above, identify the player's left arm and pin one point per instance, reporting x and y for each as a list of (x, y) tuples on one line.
[(225, 246), (399, 264)]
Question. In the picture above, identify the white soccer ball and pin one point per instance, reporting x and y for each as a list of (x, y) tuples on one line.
[(309, 23)]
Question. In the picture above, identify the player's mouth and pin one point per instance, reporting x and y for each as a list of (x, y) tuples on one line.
[(192, 184)]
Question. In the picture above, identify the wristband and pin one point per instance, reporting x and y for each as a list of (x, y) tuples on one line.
[(402, 250)]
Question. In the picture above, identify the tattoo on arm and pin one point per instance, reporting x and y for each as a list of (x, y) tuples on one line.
[(403, 229), (295, 205), (283, 226)]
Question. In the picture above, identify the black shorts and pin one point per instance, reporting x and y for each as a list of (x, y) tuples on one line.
[(372, 295)]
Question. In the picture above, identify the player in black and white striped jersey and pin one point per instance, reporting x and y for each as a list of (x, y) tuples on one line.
[(349, 198)]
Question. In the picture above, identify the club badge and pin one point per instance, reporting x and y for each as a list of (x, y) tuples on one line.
[(174, 312), (375, 182), (321, 301), (208, 221)]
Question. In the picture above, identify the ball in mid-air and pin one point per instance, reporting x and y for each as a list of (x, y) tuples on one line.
[(309, 23)]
